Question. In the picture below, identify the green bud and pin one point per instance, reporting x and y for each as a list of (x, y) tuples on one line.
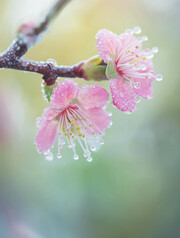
[(93, 69)]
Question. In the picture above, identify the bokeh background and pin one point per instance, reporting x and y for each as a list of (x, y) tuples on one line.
[(131, 189)]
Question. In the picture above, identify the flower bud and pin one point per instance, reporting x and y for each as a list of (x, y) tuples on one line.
[(94, 69)]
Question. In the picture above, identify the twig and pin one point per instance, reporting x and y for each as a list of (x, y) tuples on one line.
[(28, 36)]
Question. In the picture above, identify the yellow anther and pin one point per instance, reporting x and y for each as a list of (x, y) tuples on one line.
[(144, 58), (78, 128), (146, 76), (89, 125), (135, 60), (137, 46), (137, 56), (80, 134), (112, 54)]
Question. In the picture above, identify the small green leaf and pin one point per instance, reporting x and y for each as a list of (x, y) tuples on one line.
[(47, 91), (111, 72)]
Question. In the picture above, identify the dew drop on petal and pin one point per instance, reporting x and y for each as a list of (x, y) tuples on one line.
[(84, 85), (137, 85), (137, 99), (143, 67)]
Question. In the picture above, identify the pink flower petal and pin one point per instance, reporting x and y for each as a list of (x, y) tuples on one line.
[(145, 89), (107, 44), (63, 94), (100, 118), (49, 114), (46, 135), (123, 95), (130, 41), (93, 96)]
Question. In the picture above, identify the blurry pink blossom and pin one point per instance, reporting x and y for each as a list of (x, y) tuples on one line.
[(76, 114), (129, 67)]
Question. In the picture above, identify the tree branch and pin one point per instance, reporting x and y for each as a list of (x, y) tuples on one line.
[(28, 36)]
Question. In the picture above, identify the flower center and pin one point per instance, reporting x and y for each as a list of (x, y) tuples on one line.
[(76, 125)]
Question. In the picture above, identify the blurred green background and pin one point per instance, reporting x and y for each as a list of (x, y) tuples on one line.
[(131, 189)]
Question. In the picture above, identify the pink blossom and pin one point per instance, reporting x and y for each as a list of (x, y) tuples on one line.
[(128, 66), (75, 114)]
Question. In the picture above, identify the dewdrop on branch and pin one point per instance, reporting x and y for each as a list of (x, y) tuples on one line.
[(76, 116)]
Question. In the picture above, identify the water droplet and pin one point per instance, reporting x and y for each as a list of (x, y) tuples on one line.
[(139, 39), (155, 50), (128, 31), (137, 85), (143, 67), (93, 148), (89, 159), (84, 85), (137, 30), (49, 156), (159, 77), (51, 61), (127, 112), (59, 156), (137, 99), (76, 157), (145, 38), (150, 56), (101, 142), (150, 75)]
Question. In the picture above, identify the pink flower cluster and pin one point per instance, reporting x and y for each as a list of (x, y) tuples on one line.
[(129, 67), (78, 114), (75, 114)]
